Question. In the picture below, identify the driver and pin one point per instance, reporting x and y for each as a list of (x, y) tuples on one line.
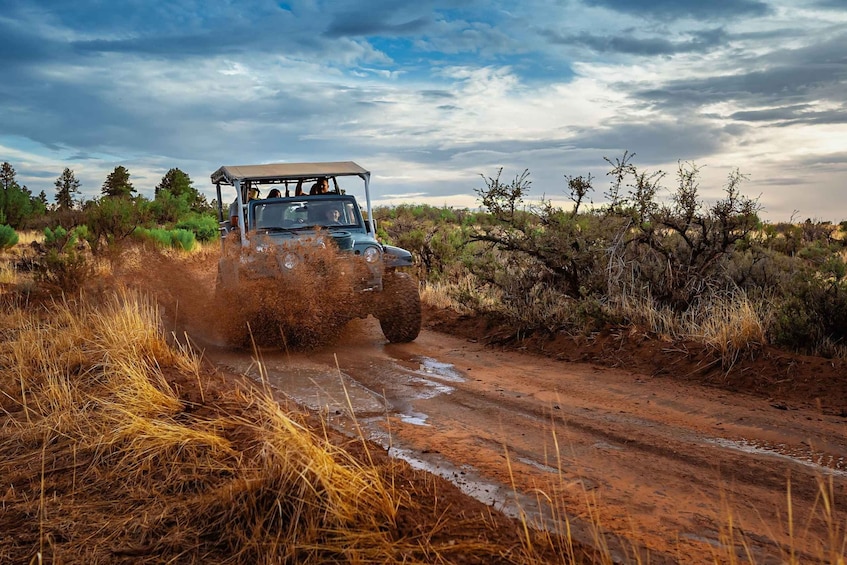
[(332, 216)]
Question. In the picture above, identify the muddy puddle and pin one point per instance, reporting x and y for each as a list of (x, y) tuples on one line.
[(824, 464)]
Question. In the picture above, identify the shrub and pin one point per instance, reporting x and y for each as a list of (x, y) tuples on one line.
[(204, 227), (814, 318), (113, 219), (63, 260), (8, 237), (158, 237), (166, 239), (183, 239)]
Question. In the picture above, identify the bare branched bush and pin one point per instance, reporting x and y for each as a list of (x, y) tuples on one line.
[(637, 259), (542, 244)]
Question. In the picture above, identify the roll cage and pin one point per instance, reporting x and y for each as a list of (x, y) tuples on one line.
[(288, 177)]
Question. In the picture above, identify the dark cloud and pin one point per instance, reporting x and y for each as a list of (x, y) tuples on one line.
[(627, 43), (657, 141), (434, 94), (174, 47), (694, 9), (792, 115), (838, 160), (21, 47), (770, 86), (787, 79), (388, 18), (771, 114), (362, 24), (832, 4), (170, 30)]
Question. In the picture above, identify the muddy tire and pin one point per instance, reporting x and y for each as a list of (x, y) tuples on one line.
[(400, 309)]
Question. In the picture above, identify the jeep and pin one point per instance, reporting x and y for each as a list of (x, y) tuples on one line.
[(272, 238)]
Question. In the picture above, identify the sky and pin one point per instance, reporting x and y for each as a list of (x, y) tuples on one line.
[(434, 96)]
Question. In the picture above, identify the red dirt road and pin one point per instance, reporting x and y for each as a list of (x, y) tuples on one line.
[(687, 473)]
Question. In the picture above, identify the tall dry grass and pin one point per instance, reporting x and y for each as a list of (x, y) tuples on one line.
[(729, 323), (8, 273), (91, 413)]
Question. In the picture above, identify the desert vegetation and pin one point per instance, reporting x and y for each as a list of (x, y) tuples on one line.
[(660, 260)]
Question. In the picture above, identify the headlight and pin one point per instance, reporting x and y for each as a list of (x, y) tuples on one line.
[(371, 254), (261, 247), (290, 260)]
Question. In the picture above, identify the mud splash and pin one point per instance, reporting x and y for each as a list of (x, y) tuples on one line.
[(307, 307)]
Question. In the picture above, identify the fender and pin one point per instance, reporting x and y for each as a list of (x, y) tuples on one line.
[(396, 257)]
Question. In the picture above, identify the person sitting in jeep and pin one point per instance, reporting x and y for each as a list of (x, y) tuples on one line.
[(320, 187), (332, 216), (252, 194)]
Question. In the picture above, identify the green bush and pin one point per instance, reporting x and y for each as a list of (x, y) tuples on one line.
[(8, 237), (814, 318), (63, 261), (111, 220), (204, 227), (165, 239), (183, 239), (158, 237)]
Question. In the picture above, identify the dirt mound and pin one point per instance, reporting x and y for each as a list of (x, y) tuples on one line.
[(787, 380)]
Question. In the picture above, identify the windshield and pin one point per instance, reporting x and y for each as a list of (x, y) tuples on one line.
[(295, 213)]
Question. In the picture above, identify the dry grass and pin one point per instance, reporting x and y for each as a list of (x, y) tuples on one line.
[(445, 295), (89, 399), (730, 324), (8, 273)]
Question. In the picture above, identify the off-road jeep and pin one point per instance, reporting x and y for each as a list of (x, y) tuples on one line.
[(272, 239)]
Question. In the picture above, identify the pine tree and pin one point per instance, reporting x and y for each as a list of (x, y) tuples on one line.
[(117, 183), (67, 186), (7, 182), (15, 205), (7, 176), (179, 184)]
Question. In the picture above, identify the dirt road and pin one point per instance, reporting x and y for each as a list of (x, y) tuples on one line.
[(691, 474)]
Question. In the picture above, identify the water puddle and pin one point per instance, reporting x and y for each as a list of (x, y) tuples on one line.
[(319, 389), (539, 466), (463, 477), (823, 463), (414, 418), (439, 369), (405, 385)]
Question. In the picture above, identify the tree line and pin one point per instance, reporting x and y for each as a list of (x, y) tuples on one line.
[(174, 198)]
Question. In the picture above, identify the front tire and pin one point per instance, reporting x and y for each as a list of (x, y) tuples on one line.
[(400, 313)]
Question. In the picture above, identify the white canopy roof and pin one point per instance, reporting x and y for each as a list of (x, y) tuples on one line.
[(287, 171)]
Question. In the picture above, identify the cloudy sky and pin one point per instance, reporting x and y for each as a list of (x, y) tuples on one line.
[(429, 96)]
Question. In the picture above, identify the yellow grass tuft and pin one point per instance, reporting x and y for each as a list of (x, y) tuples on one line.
[(730, 325), (8, 273)]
